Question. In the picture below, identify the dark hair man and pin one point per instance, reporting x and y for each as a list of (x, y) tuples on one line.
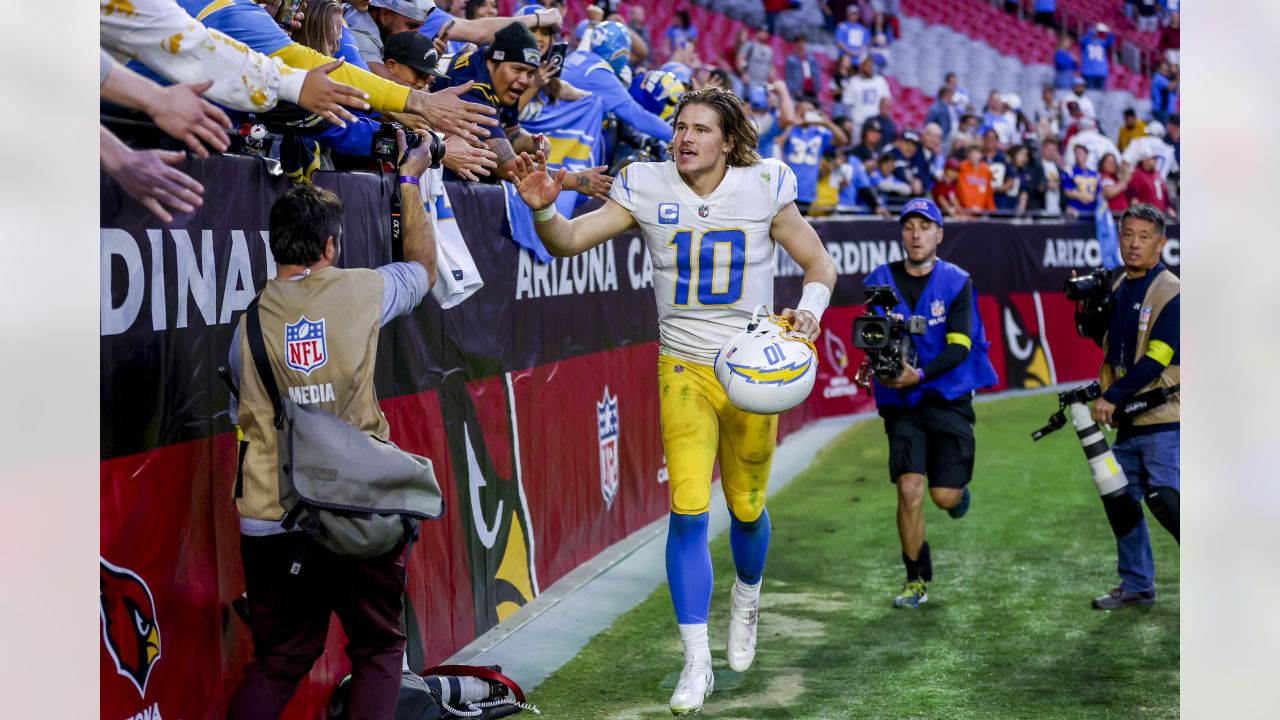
[(320, 326), (928, 411), (502, 72), (1140, 338), (410, 58), (716, 191)]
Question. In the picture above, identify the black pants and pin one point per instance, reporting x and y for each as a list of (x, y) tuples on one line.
[(289, 619)]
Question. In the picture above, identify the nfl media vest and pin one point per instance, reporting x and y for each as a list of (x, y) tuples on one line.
[(321, 334), (945, 282), (1163, 288)]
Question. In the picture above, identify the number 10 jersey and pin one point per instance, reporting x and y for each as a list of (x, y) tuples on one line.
[(712, 256)]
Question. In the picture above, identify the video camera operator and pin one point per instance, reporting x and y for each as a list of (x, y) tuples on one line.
[(1136, 322), (928, 411)]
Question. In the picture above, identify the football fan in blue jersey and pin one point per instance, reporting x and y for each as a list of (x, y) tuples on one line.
[(501, 73), (603, 71), (803, 145)]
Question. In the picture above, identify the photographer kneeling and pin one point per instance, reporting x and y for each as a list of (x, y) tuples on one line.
[(928, 412), (1137, 325)]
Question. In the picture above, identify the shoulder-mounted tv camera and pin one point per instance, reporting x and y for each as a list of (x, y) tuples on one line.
[(885, 337)]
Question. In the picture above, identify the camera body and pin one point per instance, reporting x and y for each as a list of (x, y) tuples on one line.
[(886, 338), (1092, 291), (1083, 394), (384, 145)]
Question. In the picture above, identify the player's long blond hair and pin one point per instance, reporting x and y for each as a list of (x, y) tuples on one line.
[(734, 123)]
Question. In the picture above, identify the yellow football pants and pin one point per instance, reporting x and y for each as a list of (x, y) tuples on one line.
[(697, 422)]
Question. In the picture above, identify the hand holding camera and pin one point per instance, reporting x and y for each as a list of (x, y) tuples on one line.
[(417, 156), (392, 141)]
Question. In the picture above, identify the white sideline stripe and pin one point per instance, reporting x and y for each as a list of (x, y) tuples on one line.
[(552, 628)]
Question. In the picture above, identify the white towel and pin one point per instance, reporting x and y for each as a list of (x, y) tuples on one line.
[(456, 275)]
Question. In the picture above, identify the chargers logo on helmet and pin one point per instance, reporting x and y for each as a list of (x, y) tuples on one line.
[(767, 368), (658, 92), (611, 41)]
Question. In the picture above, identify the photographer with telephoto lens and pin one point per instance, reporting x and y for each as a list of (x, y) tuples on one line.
[(928, 409), (1136, 321)]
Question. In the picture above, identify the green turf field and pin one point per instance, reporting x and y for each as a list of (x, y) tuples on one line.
[(1007, 633)]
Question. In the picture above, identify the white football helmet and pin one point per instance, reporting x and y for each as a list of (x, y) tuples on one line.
[(767, 368)]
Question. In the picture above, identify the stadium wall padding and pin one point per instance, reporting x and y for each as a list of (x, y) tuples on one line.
[(536, 399)]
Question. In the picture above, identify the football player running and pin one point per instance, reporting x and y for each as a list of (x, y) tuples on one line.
[(710, 218)]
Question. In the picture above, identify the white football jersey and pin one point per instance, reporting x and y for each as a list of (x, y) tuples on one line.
[(712, 256)]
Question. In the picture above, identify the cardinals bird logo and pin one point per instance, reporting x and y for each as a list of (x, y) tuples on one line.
[(129, 623)]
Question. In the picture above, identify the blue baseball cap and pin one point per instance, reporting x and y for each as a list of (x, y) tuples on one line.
[(922, 207)]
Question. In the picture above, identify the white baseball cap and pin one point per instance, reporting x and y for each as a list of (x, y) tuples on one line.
[(1155, 129)]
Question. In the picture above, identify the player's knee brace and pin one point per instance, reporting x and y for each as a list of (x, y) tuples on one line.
[(1165, 504), (1123, 512)]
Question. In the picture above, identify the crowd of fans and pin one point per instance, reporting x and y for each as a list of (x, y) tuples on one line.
[(318, 90)]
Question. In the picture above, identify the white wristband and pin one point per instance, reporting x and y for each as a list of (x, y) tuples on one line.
[(815, 299), (545, 213)]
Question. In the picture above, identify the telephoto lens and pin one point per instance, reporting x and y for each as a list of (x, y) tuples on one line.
[(459, 690)]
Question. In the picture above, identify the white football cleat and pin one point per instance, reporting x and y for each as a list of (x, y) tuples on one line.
[(696, 681), (743, 619)]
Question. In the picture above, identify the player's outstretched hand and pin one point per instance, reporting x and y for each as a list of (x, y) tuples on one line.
[(803, 322), (538, 189)]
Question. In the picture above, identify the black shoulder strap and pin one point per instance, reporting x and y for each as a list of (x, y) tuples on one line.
[(258, 348)]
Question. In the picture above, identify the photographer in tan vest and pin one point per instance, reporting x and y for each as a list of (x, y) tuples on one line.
[(1139, 335), (320, 326)]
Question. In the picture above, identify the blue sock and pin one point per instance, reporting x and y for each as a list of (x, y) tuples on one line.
[(750, 544), (689, 567)]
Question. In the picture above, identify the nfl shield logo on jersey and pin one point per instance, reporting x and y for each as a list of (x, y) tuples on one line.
[(703, 211), (607, 429), (938, 308), (304, 346)]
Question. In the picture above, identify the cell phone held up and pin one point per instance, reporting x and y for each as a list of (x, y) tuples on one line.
[(286, 11), (555, 55)]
